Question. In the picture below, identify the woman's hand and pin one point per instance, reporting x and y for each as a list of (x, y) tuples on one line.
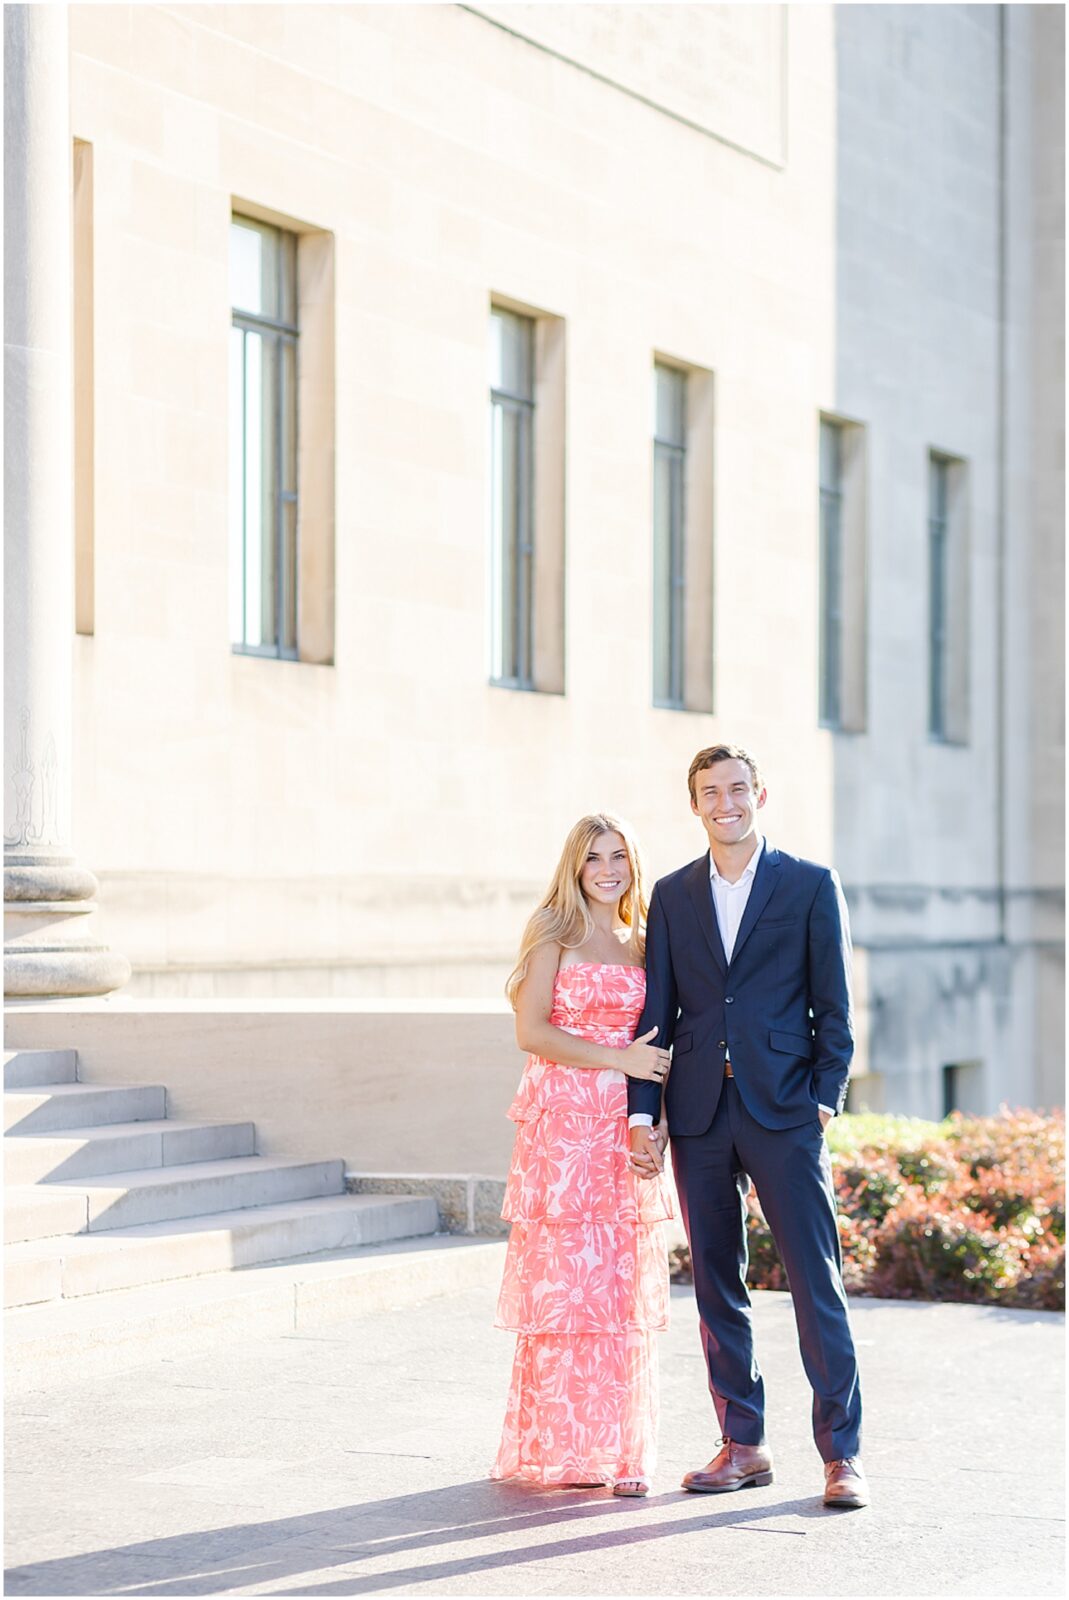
[(647, 1155), (645, 1061)]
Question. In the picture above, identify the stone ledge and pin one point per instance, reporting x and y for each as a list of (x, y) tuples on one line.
[(467, 1202)]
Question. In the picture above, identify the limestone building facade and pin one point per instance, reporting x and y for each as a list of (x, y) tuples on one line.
[(480, 409)]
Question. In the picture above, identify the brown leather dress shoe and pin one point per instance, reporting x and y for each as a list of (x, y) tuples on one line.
[(844, 1484), (738, 1466)]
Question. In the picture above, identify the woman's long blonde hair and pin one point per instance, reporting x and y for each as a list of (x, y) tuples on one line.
[(563, 916)]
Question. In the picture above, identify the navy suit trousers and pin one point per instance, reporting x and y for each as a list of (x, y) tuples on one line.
[(791, 1170)]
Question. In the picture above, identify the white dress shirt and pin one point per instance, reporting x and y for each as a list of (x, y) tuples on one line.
[(729, 901)]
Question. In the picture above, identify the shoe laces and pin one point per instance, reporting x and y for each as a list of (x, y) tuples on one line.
[(729, 1444)]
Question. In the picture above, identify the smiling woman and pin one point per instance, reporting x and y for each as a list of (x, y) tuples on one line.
[(586, 1276)]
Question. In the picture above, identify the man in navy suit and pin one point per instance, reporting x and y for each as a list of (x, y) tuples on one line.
[(748, 979)]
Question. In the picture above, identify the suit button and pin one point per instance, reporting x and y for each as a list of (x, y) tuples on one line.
[(729, 999), (723, 1044)]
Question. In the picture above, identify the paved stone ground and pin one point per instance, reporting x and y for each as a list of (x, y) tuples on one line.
[(354, 1463)]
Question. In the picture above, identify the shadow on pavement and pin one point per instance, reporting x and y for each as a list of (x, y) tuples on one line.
[(219, 1559)]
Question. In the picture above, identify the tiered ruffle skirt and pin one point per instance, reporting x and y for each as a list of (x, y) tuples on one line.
[(585, 1285)]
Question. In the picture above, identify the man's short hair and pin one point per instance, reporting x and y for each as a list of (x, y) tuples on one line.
[(721, 752)]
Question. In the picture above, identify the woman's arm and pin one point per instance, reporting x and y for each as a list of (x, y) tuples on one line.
[(537, 1035)]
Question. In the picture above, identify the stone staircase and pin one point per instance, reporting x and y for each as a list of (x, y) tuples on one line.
[(104, 1191)]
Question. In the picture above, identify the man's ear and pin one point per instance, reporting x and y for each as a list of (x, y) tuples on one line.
[(761, 798), (694, 808)]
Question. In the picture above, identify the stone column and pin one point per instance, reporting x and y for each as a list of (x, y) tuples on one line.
[(49, 949)]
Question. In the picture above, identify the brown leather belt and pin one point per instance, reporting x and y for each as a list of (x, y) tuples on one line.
[(727, 1070)]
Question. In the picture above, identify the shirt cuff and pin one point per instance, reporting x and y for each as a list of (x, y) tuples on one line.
[(640, 1119), (829, 1109)]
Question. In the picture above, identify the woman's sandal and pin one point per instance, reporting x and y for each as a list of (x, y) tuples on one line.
[(631, 1487)]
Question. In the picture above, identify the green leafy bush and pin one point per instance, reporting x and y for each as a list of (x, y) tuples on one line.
[(766, 1268), (924, 1253), (970, 1209), (925, 1169), (870, 1190)]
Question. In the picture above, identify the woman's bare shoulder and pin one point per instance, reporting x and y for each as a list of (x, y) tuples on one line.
[(544, 960)]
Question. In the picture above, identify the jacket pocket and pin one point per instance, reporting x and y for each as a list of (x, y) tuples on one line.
[(681, 1045), (791, 1044)]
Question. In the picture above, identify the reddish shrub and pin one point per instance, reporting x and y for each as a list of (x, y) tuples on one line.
[(766, 1269), (869, 1190), (972, 1209), (944, 1252), (856, 1240), (1042, 1288), (930, 1169), (679, 1267)]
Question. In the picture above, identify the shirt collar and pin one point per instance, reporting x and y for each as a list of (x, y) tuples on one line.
[(750, 869)]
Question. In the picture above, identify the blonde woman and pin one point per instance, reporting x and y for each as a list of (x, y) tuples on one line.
[(586, 1275)]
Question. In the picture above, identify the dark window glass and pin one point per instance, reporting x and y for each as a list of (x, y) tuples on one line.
[(831, 573), (512, 496), (938, 471), (669, 573), (950, 1090)]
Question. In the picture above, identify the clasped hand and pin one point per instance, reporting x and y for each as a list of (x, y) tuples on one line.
[(647, 1149)]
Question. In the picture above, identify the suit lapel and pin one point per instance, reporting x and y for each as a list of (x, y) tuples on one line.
[(700, 890), (765, 880)]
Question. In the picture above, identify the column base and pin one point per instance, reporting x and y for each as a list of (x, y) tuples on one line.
[(49, 951)]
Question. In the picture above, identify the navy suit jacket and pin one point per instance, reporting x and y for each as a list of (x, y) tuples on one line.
[(781, 1010)]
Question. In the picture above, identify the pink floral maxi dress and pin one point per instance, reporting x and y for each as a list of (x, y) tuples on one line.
[(586, 1272)]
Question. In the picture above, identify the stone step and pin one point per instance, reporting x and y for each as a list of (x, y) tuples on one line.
[(96, 1263), (161, 1194), (63, 1106), (60, 1344), (122, 1147), (38, 1212), (30, 1069)]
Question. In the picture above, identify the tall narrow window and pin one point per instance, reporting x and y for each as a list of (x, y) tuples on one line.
[(512, 418), (843, 630), (938, 595), (831, 573), (263, 439), (948, 599), (950, 1089), (669, 556)]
